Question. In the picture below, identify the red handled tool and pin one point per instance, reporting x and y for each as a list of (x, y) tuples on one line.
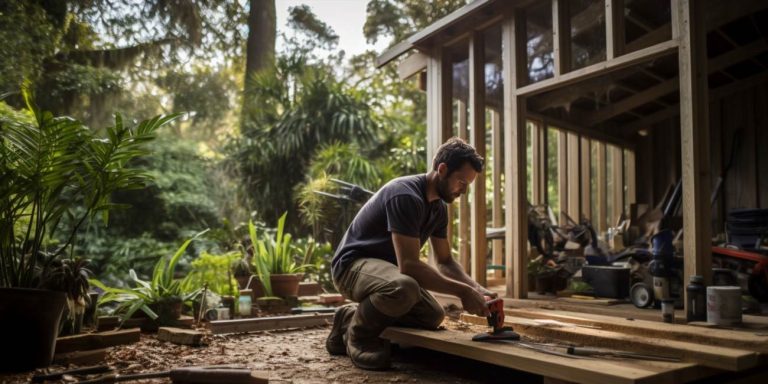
[(496, 321)]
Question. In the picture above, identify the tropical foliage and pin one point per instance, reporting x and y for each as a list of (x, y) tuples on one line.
[(50, 166), (163, 286), (253, 143)]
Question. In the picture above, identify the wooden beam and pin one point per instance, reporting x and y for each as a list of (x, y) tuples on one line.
[(218, 327), (614, 25), (180, 336), (586, 179), (738, 54), (561, 36), (630, 178), (464, 218), (618, 184), (656, 36), (718, 357), (562, 173), (574, 180), (602, 68), (497, 212), (98, 340), (694, 137), (412, 65), (632, 102), (572, 370), (602, 196), (479, 244), (718, 12), (439, 119), (652, 329), (516, 214), (652, 119), (537, 168)]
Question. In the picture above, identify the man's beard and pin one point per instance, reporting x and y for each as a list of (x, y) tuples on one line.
[(444, 192)]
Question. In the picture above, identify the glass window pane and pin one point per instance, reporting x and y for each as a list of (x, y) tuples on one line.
[(538, 23)]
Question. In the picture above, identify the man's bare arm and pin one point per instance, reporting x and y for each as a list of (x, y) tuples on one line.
[(407, 253), (451, 269)]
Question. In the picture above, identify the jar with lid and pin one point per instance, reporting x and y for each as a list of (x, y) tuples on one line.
[(696, 299)]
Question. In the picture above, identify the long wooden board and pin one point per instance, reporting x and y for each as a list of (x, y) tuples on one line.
[(563, 368), (269, 323), (680, 332), (715, 357), (89, 341)]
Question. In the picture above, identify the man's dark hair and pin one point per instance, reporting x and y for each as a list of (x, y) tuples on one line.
[(455, 152)]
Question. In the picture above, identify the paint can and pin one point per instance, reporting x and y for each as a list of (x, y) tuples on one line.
[(724, 305)]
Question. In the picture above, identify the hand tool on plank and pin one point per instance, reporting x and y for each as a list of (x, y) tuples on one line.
[(589, 352), (496, 321), (191, 375), (39, 378)]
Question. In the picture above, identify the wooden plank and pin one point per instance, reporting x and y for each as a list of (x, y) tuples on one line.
[(464, 218), (679, 332), (602, 195), (632, 102), (330, 298), (574, 180), (582, 131), (614, 25), (630, 179), (179, 336), (730, 359), (91, 357), (269, 323), (694, 126), (602, 68), (497, 215), (586, 178), (88, 341), (479, 244), (516, 213), (618, 184), (412, 65), (562, 173), (538, 195), (573, 370), (561, 36)]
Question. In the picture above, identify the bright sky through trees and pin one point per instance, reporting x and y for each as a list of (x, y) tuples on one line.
[(346, 17)]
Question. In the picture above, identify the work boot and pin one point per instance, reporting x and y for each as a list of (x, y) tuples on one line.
[(364, 346), (335, 344)]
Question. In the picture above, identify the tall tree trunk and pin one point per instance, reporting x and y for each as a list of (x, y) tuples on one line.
[(260, 47)]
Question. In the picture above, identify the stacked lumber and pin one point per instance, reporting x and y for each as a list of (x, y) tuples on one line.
[(702, 352)]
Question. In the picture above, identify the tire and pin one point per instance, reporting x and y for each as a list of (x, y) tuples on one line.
[(641, 295)]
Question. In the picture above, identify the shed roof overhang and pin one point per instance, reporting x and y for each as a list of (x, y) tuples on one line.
[(454, 21)]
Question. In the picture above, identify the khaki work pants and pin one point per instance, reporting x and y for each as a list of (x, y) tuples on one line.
[(391, 292)]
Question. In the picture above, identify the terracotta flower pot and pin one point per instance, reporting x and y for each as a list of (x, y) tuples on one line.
[(285, 285)]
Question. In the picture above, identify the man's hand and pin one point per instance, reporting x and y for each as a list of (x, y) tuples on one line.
[(474, 303), (485, 292)]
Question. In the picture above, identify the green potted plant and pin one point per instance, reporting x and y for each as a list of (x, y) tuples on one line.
[(275, 261), (71, 277), (160, 298), (48, 167)]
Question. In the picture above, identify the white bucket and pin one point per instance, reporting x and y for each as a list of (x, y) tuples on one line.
[(724, 305)]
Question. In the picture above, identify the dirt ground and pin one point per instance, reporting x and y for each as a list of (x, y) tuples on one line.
[(299, 356)]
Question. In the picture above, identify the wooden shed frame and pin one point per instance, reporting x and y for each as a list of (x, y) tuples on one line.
[(690, 20)]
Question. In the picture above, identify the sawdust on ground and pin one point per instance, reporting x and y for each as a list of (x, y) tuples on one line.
[(299, 356)]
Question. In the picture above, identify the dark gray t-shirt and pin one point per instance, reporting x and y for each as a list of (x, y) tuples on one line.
[(400, 206)]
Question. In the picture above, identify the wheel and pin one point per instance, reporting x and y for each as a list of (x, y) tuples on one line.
[(641, 295)]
